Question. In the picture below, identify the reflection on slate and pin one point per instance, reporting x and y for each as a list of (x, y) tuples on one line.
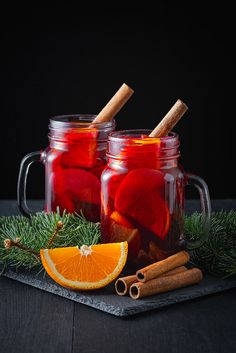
[(106, 300)]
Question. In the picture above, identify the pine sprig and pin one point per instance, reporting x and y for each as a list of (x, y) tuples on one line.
[(217, 255), (35, 233), (14, 228)]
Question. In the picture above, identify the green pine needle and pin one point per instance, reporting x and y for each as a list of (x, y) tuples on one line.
[(217, 255), (36, 232)]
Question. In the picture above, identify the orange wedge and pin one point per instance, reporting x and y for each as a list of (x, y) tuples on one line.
[(120, 219), (87, 267)]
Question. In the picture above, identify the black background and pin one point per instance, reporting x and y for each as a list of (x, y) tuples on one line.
[(64, 60)]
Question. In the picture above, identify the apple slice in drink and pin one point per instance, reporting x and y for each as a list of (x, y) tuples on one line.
[(77, 189), (82, 149), (141, 196)]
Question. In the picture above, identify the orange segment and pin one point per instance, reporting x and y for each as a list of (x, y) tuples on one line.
[(120, 219), (119, 232), (147, 141), (87, 267)]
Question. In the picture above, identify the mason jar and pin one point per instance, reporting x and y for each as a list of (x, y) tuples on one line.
[(74, 161), (143, 195)]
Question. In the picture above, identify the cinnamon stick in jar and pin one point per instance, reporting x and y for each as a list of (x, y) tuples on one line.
[(123, 284), (152, 271), (170, 119), (115, 104), (165, 284)]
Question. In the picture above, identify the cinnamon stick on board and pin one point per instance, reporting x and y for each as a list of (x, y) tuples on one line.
[(149, 272), (170, 119), (123, 284), (165, 284), (115, 104)]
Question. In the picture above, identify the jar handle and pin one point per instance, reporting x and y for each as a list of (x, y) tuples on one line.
[(22, 181), (205, 203)]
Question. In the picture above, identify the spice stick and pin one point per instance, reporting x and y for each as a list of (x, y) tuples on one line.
[(123, 284), (170, 119), (115, 104), (174, 271), (149, 272), (165, 284)]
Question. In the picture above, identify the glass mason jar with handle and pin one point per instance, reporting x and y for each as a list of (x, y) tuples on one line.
[(143, 196), (73, 162)]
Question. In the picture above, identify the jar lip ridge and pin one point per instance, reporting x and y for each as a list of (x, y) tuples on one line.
[(116, 136), (77, 120)]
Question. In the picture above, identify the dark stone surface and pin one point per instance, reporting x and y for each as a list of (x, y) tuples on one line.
[(105, 299)]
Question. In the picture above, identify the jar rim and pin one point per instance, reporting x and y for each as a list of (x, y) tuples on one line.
[(77, 121), (117, 136)]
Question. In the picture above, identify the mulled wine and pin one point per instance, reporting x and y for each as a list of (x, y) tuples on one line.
[(73, 163), (143, 195)]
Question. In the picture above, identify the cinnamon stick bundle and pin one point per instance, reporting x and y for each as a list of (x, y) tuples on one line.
[(165, 284), (123, 284), (152, 271)]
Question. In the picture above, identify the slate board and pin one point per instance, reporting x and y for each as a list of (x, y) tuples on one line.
[(107, 300)]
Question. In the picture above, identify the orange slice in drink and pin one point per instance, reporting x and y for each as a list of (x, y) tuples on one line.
[(122, 230), (120, 219), (87, 267), (119, 232)]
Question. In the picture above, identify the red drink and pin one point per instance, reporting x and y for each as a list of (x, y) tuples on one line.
[(143, 195), (73, 163)]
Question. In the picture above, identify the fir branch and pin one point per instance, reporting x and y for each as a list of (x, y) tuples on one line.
[(40, 230), (12, 228), (217, 255), (8, 243), (58, 227)]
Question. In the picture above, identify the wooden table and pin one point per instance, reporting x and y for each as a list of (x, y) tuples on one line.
[(32, 320)]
